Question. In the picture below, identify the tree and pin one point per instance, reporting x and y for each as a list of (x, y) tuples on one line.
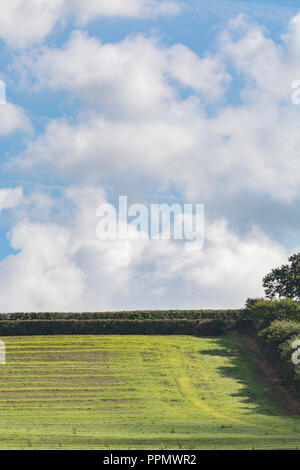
[(284, 281)]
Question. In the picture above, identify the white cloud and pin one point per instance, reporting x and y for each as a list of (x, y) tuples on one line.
[(266, 67), (23, 22), (42, 274), (112, 147), (90, 9), (242, 149), (13, 118), (128, 78), (141, 123), (68, 268), (10, 198), (207, 76)]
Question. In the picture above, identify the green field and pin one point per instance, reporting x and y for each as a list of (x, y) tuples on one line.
[(137, 392)]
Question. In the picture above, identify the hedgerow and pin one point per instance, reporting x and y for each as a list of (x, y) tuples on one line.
[(280, 331), (264, 312), (277, 323), (129, 315), (129, 327)]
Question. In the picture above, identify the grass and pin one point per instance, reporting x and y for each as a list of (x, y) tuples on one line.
[(137, 392)]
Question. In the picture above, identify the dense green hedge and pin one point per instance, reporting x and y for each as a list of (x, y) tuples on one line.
[(287, 369), (281, 354), (131, 327), (129, 315), (280, 331), (277, 340), (264, 312), (278, 324)]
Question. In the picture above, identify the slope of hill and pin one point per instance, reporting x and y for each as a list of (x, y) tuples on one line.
[(131, 392)]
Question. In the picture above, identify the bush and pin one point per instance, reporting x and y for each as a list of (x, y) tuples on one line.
[(286, 368), (277, 340), (278, 325), (251, 301), (280, 331), (264, 312)]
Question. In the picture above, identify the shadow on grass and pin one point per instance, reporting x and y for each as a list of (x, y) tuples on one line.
[(244, 368)]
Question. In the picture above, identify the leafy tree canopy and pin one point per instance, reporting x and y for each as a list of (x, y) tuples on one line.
[(284, 281)]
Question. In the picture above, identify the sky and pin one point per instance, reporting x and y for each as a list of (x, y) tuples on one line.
[(162, 101)]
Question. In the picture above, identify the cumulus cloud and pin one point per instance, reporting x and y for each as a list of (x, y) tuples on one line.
[(10, 198), (13, 118), (142, 123), (41, 271), (110, 148), (134, 119), (128, 78), (23, 22), (68, 268), (207, 76)]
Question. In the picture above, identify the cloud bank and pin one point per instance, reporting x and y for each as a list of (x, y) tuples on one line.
[(210, 128), (64, 266), (25, 23), (136, 117)]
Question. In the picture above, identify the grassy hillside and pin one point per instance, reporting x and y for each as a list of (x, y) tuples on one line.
[(130, 392)]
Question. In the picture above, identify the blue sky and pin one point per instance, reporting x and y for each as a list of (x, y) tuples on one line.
[(163, 101)]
